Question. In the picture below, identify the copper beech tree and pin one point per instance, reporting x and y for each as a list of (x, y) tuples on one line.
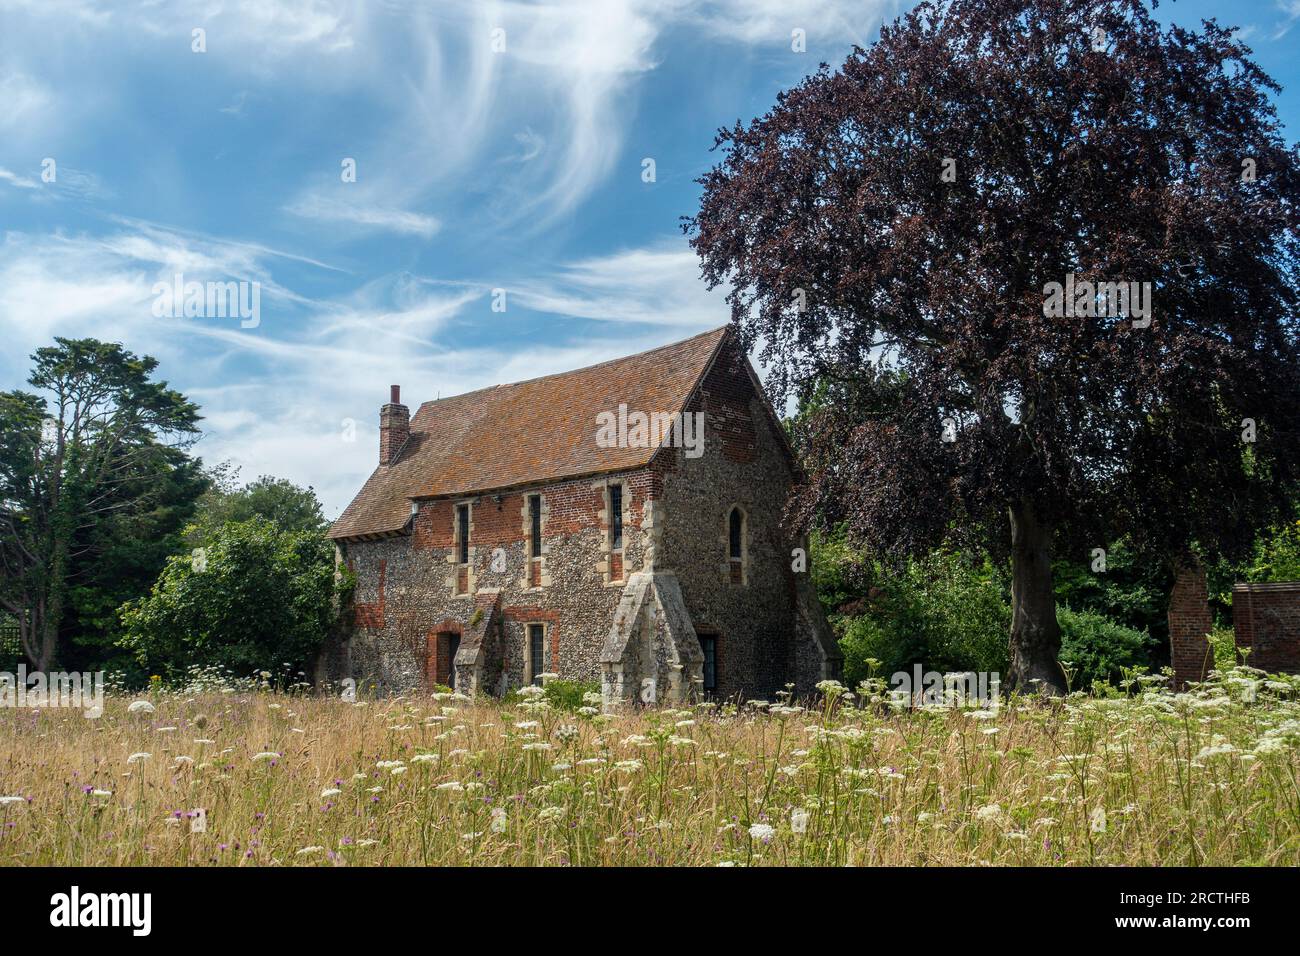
[(1036, 260)]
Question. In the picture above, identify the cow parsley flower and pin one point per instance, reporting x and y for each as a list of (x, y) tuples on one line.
[(762, 831)]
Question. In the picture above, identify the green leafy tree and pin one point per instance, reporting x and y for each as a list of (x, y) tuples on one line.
[(286, 505), (1276, 556), (251, 597), (99, 445), (121, 558)]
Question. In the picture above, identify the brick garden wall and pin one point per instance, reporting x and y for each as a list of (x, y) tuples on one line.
[(1266, 619)]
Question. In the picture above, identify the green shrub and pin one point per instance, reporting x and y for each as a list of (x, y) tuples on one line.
[(1096, 649), (1277, 555), (255, 598), (1223, 642), (567, 694), (944, 613), (1133, 590)]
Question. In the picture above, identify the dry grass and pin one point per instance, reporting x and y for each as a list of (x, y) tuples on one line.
[(1202, 778)]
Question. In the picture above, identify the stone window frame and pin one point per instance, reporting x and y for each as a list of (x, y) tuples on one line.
[(533, 671), (538, 558), (710, 693), (727, 561), (454, 558), (610, 550)]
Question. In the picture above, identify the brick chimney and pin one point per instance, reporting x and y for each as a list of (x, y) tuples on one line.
[(394, 426)]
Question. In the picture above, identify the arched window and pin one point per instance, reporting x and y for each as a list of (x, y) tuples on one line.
[(736, 534)]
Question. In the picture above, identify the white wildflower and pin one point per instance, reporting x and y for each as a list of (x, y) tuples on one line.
[(761, 831)]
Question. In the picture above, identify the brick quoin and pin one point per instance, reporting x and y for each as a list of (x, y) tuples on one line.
[(1189, 623), (1266, 621)]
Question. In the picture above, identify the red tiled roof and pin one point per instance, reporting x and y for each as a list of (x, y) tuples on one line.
[(540, 430)]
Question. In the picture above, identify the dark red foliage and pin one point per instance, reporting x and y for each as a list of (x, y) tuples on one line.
[(1115, 156)]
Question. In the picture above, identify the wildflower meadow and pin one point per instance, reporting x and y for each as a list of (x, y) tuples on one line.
[(242, 776)]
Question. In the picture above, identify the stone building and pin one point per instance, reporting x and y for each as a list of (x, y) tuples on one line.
[(619, 523)]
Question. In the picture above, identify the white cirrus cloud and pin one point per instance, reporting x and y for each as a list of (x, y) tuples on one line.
[(18, 182), (658, 284), (330, 209)]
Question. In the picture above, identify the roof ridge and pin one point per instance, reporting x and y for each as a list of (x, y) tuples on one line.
[(582, 368)]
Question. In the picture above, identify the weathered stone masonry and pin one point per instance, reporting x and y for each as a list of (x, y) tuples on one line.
[(628, 618)]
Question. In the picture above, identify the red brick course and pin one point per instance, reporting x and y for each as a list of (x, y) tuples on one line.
[(438, 659)]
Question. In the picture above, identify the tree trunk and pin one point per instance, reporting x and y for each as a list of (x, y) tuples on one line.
[(1035, 634), (47, 621)]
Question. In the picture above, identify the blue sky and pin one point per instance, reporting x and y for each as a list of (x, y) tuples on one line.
[(477, 169)]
